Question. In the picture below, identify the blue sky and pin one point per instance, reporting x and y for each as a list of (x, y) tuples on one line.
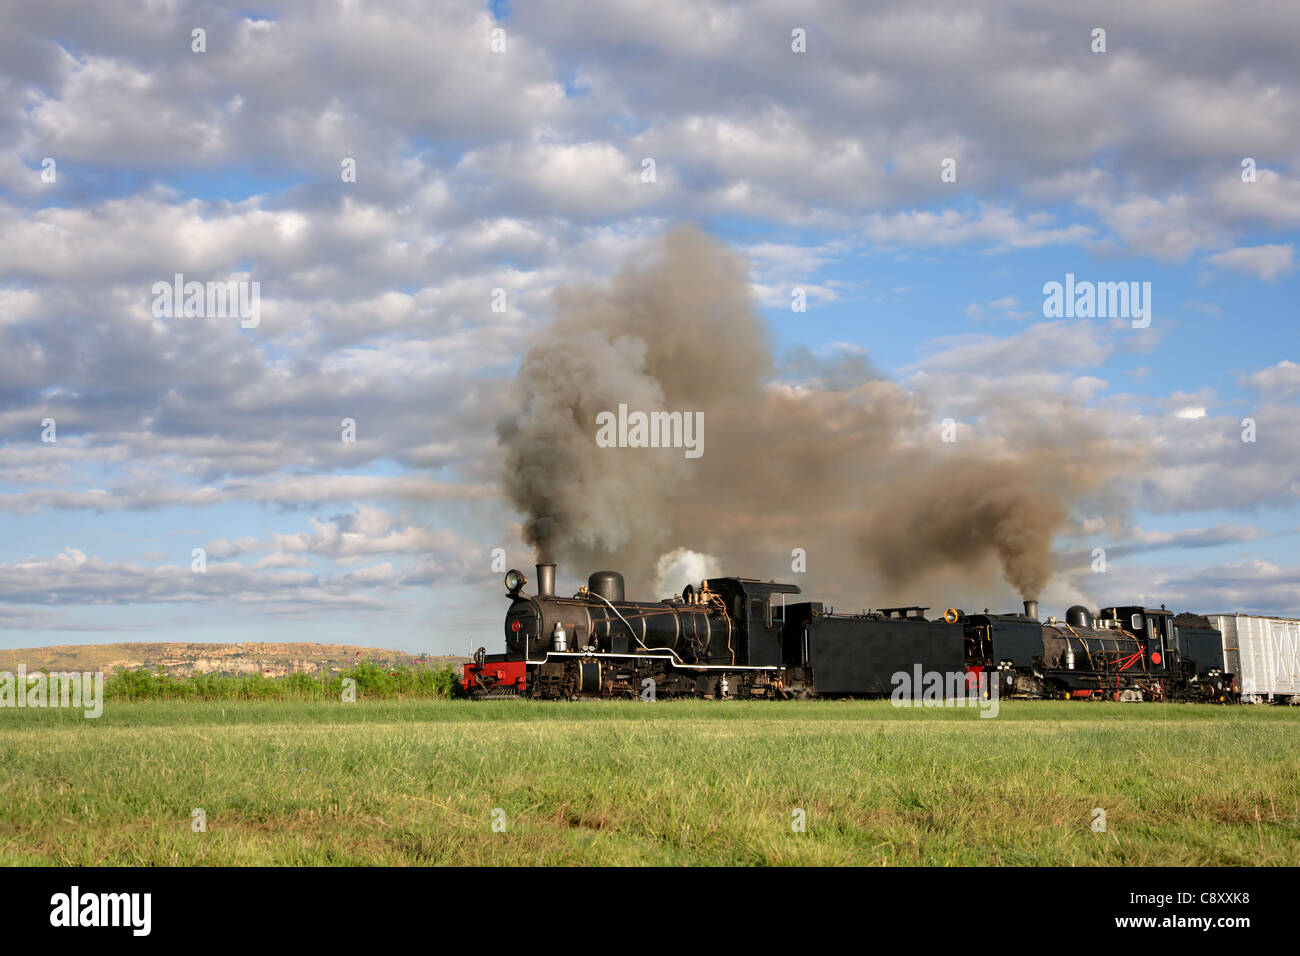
[(521, 170)]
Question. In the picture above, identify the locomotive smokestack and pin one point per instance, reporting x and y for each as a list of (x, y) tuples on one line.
[(546, 580), (1031, 607)]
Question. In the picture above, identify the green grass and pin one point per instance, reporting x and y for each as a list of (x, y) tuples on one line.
[(416, 782)]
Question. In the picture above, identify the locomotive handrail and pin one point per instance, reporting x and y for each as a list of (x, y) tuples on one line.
[(645, 614), (633, 632), (664, 657)]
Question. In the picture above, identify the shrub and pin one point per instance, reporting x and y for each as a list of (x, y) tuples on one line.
[(373, 681)]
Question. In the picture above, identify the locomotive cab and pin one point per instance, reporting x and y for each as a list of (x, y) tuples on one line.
[(1155, 628), (760, 609)]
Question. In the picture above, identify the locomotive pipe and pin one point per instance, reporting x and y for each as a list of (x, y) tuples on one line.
[(546, 580), (1031, 607)]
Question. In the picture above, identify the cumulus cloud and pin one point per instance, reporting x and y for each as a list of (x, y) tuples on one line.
[(1263, 262), (280, 581), (523, 172), (1282, 379)]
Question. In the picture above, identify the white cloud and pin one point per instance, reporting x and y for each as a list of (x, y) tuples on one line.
[(1263, 262), (521, 171), (1282, 379)]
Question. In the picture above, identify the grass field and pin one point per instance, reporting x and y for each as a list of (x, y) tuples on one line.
[(417, 782)]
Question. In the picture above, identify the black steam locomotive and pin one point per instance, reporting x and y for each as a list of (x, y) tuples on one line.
[(743, 638), (1125, 653)]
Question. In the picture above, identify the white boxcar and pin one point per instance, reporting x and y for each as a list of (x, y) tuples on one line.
[(1264, 653)]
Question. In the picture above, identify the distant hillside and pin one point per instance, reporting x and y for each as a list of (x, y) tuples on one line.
[(272, 660)]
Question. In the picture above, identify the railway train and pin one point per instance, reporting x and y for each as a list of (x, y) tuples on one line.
[(734, 637)]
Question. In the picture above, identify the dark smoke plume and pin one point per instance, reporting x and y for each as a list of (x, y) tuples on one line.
[(963, 510), (846, 465), (676, 332)]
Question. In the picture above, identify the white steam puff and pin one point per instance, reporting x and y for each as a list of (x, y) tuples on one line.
[(678, 568)]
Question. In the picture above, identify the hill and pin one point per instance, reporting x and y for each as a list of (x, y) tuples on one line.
[(269, 659)]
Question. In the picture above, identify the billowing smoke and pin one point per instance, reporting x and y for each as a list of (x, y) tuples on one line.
[(822, 457), (964, 510), (675, 333)]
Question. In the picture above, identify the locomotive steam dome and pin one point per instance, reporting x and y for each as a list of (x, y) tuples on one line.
[(608, 584), (1078, 616)]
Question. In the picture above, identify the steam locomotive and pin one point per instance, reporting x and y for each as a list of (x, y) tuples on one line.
[(744, 638)]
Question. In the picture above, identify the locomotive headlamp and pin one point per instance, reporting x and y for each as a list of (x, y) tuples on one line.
[(515, 581)]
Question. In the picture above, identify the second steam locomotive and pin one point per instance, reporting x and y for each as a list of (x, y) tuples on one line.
[(743, 638)]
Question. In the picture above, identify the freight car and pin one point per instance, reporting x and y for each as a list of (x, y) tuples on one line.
[(1263, 651), (745, 638)]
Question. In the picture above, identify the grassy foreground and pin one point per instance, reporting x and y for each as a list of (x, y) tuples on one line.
[(417, 782)]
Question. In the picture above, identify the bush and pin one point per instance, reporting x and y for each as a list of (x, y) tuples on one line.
[(373, 681)]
